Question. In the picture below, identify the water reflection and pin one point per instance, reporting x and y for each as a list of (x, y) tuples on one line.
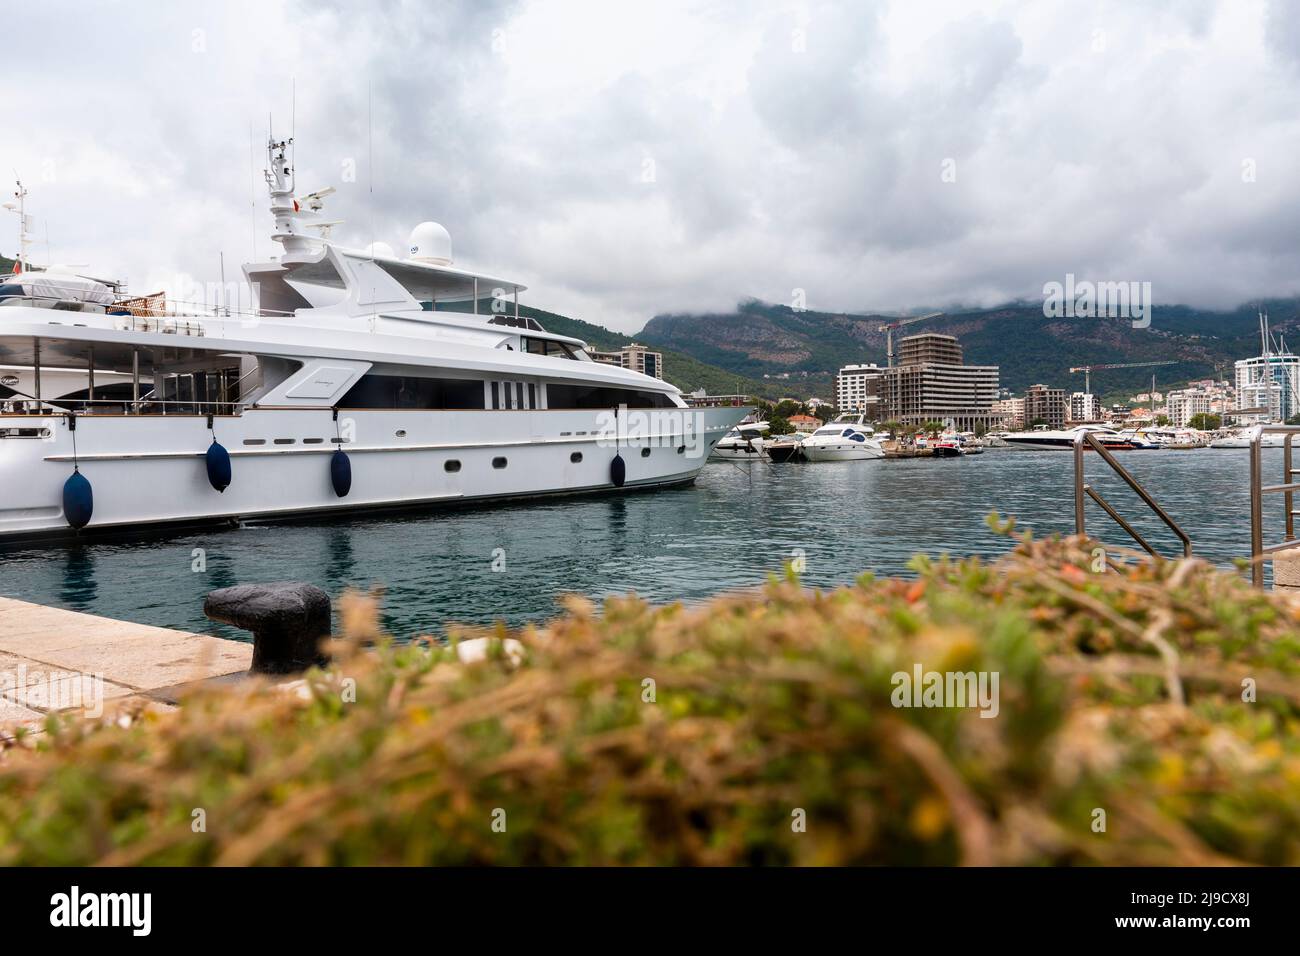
[(738, 524)]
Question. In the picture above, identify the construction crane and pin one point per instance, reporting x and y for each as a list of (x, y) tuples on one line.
[(1087, 370), (888, 329)]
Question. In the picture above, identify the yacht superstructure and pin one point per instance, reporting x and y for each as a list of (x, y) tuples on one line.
[(361, 380), (848, 438)]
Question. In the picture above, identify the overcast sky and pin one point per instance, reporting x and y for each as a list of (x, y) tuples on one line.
[(630, 158)]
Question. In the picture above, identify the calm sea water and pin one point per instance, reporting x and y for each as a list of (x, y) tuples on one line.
[(737, 524)]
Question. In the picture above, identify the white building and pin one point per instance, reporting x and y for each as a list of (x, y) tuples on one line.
[(1182, 405), (638, 358), (1269, 381), (857, 389), (1084, 407)]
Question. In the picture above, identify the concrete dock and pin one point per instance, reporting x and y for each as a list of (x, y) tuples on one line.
[(51, 660)]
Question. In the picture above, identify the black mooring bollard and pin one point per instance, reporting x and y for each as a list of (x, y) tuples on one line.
[(288, 620)]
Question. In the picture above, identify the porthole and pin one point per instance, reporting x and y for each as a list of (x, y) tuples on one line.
[(312, 441), (499, 463), (401, 433), (451, 465), (254, 441), (645, 452), (576, 457), (681, 449), (284, 441)]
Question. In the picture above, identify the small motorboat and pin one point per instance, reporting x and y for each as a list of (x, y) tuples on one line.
[(786, 448), (745, 442)]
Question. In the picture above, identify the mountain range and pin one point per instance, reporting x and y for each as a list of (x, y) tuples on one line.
[(759, 339)]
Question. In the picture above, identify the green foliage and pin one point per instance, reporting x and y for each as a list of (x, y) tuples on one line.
[(1206, 422), (780, 425), (695, 735)]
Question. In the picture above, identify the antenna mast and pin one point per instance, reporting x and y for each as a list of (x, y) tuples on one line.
[(19, 205)]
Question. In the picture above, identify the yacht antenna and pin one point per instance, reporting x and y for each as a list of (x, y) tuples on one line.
[(252, 194), (223, 283), (370, 158), (19, 205)]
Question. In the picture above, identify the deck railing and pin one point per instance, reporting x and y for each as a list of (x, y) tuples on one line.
[(1258, 549), (1081, 490)]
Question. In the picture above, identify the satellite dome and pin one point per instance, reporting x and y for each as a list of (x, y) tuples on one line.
[(380, 250), (430, 243)]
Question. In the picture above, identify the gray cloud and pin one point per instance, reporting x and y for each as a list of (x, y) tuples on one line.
[(625, 160)]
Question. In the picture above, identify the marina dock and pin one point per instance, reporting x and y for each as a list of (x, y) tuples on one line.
[(52, 659)]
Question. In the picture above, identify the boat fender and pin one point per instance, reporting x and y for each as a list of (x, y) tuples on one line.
[(218, 466), (618, 470), (341, 472), (78, 500)]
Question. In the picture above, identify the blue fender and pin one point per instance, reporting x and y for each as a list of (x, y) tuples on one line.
[(618, 470), (341, 472), (78, 500), (218, 466)]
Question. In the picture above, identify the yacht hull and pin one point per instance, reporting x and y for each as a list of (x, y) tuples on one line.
[(150, 471), (842, 451)]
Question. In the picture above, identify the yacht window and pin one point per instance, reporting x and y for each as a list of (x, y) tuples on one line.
[(576, 457), (498, 463), (532, 395), (312, 441), (645, 452), (549, 347), (451, 465), (254, 441), (284, 441), (595, 396), (399, 391)]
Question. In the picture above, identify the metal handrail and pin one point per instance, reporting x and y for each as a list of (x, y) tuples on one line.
[(1258, 490), (1081, 489)]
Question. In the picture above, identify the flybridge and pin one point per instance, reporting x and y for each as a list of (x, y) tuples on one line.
[(316, 272)]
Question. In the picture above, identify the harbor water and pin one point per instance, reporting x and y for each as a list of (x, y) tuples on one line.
[(735, 526)]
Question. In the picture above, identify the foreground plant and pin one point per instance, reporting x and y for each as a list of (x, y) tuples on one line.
[(1146, 713)]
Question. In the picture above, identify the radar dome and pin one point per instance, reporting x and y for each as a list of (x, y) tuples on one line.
[(380, 250), (430, 243)]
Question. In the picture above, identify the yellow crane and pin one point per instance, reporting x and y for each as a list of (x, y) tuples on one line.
[(888, 329), (1087, 370)]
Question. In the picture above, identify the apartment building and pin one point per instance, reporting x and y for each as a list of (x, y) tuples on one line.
[(638, 358), (1049, 405), (858, 388), (931, 382)]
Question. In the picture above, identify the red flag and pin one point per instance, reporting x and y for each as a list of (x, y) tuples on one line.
[(18, 267)]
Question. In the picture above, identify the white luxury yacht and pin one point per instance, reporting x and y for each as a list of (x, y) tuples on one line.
[(361, 380), (745, 442), (1243, 438), (1063, 440), (847, 438)]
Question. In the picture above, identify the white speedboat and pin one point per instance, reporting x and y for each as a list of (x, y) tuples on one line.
[(847, 438), (362, 380), (1063, 440), (1140, 439), (745, 442), (1243, 438)]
